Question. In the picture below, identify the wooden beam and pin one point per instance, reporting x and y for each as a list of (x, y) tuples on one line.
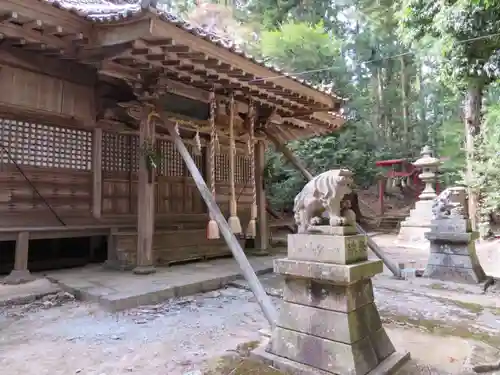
[(107, 35), (97, 174), (288, 155), (161, 28), (231, 241), (48, 14), (17, 112), (35, 62)]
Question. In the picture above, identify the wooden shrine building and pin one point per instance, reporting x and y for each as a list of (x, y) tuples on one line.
[(84, 150)]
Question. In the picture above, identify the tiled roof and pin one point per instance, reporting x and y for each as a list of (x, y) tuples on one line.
[(118, 10)]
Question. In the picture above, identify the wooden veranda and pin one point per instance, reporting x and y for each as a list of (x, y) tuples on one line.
[(83, 107)]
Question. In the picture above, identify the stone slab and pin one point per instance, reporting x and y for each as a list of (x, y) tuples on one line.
[(459, 275), (335, 273), (116, 290), (333, 231), (450, 237), (451, 226), (25, 293), (449, 248), (346, 328), (335, 357), (358, 358), (327, 248), (388, 366), (453, 260), (328, 296)]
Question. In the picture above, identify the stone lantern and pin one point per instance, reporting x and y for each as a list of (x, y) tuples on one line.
[(413, 228)]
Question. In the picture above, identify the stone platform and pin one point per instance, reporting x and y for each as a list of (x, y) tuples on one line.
[(328, 322), (119, 290)]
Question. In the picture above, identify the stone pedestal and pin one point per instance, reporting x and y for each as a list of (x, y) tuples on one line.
[(328, 323), (413, 228), (453, 252)]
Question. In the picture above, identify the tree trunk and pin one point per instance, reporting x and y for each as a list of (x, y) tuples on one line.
[(380, 104), (404, 101), (472, 116)]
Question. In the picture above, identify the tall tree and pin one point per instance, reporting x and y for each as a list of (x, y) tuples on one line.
[(465, 32)]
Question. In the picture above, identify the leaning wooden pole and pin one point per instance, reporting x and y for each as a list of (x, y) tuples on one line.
[(297, 163), (231, 241)]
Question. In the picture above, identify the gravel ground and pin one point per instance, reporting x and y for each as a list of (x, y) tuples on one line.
[(172, 338)]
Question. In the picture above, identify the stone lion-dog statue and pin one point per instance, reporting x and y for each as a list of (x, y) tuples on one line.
[(323, 194)]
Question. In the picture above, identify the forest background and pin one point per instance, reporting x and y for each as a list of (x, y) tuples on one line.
[(415, 72)]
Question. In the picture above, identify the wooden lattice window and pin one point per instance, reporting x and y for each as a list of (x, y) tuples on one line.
[(171, 162), (222, 167), (46, 146), (242, 175), (120, 152)]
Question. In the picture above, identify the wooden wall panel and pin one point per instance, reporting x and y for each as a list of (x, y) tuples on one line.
[(176, 192), (37, 91), (55, 161)]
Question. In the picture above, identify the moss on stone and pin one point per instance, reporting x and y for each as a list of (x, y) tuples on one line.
[(439, 328), (437, 286), (236, 365)]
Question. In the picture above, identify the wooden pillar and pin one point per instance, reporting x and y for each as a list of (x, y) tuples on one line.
[(20, 274), (145, 200), (97, 174), (262, 239)]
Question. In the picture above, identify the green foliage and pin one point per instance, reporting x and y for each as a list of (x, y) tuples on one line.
[(461, 35), (486, 164)]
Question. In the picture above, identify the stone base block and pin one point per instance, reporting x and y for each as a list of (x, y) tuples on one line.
[(473, 275), (328, 296), (388, 366), (327, 248), (18, 277), (335, 273), (346, 328), (332, 356), (413, 236)]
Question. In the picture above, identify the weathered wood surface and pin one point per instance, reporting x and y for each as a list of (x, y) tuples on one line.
[(42, 92)]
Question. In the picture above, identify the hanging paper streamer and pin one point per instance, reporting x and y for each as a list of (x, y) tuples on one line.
[(177, 128), (216, 143), (197, 143)]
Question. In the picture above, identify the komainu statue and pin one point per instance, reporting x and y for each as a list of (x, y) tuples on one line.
[(323, 194), (449, 203)]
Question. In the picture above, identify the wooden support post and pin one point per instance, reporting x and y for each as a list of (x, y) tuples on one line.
[(145, 202), (232, 242), (262, 239), (289, 155), (97, 174), (112, 261), (20, 274)]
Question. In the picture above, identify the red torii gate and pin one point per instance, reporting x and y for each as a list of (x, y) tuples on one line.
[(406, 169)]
